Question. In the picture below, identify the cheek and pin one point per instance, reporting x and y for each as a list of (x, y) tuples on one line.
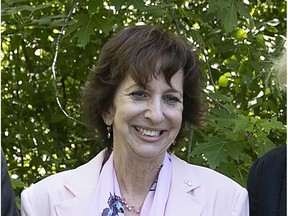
[(127, 112), (176, 118)]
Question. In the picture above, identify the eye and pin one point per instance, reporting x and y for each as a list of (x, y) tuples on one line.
[(139, 95), (171, 99)]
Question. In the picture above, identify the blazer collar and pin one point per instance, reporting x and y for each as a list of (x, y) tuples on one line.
[(180, 199), (89, 174), (184, 182), (185, 179), (82, 185)]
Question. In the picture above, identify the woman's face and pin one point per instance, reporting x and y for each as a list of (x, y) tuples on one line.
[(147, 120)]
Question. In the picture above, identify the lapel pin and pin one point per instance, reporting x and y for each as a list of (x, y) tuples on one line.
[(188, 182)]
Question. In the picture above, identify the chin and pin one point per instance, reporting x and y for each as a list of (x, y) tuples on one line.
[(150, 152)]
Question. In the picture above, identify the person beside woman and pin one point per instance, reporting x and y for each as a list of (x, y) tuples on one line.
[(267, 179), (8, 203)]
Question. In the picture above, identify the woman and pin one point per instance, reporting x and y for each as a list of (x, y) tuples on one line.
[(142, 92)]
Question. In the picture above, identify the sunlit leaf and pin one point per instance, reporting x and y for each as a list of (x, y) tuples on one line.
[(241, 33)]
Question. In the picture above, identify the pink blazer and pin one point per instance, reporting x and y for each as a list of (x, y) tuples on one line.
[(194, 191)]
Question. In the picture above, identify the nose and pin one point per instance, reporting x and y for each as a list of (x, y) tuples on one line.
[(155, 111)]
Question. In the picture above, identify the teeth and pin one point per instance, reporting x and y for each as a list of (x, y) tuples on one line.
[(146, 132)]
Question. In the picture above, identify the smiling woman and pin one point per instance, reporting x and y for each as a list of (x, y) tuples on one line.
[(145, 87)]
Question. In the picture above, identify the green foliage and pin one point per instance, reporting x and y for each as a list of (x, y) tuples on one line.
[(236, 42)]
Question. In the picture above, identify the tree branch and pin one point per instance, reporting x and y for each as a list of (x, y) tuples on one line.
[(54, 62)]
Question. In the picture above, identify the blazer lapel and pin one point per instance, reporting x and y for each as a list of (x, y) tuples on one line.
[(181, 199), (82, 185), (79, 205)]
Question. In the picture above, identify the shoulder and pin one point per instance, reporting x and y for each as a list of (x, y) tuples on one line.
[(41, 196), (268, 170), (273, 161), (50, 184), (215, 191), (205, 175), (70, 177), (274, 156), (267, 181), (61, 186), (206, 181)]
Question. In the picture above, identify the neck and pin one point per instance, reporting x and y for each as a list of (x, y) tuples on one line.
[(135, 176)]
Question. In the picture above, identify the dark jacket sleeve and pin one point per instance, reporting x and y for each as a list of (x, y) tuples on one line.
[(266, 184), (8, 205)]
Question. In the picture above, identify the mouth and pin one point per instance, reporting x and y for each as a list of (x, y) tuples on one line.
[(149, 133)]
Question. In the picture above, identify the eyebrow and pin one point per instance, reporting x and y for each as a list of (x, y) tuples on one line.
[(169, 90), (172, 90), (131, 87)]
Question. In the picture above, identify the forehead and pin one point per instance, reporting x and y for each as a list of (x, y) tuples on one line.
[(155, 81)]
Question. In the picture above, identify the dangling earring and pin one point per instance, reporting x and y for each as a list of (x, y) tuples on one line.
[(109, 131), (174, 142)]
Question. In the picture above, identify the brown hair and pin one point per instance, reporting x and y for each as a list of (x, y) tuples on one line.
[(142, 52)]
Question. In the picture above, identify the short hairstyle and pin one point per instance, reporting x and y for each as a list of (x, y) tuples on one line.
[(142, 52)]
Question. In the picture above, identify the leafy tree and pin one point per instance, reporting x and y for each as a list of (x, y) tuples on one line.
[(49, 46)]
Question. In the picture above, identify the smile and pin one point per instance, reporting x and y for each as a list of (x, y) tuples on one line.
[(150, 133)]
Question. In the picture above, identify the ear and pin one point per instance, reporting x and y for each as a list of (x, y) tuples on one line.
[(108, 116)]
